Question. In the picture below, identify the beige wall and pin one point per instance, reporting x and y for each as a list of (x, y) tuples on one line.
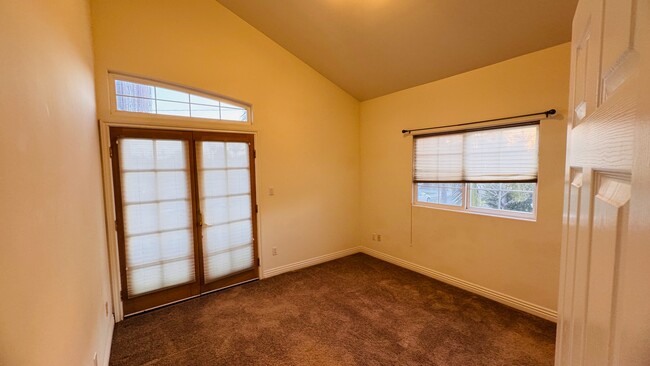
[(53, 274), (307, 128), (514, 257)]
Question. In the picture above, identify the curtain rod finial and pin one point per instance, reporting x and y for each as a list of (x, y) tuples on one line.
[(550, 112), (405, 131)]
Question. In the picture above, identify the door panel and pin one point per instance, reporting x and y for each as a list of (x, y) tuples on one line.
[(603, 317), (224, 190), (585, 60), (157, 214), (580, 78), (568, 275), (609, 225), (619, 56), (226, 197), (152, 183), (580, 267)]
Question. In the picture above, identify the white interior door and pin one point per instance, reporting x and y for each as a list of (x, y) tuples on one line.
[(603, 316)]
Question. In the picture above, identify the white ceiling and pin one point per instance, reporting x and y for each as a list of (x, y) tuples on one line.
[(375, 47)]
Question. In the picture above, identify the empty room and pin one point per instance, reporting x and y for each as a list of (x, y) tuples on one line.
[(325, 182)]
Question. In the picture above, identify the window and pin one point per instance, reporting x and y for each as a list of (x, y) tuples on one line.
[(505, 199), (441, 193), (133, 95), (515, 197), (490, 170)]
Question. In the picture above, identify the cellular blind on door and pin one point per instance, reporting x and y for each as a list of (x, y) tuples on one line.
[(157, 214), (507, 154), (226, 206)]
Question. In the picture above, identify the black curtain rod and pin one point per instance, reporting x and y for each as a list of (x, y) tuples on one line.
[(550, 112)]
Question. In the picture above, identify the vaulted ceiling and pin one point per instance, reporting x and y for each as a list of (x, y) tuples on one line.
[(375, 47)]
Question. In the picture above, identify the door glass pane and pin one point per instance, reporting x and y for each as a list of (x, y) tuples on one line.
[(225, 198), (157, 214)]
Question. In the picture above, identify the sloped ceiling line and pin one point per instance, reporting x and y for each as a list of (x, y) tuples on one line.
[(375, 47)]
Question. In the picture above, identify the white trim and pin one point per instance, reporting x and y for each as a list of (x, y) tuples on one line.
[(310, 262), (108, 342), (508, 300), (109, 216), (178, 124)]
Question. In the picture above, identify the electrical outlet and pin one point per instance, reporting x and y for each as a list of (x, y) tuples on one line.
[(274, 251), (271, 191), (378, 237)]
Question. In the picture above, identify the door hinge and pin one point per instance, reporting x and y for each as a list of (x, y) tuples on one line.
[(110, 151), (258, 262), (254, 154), (257, 208), (116, 225)]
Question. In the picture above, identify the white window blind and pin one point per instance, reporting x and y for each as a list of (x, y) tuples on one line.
[(507, 154), (225, 196), (157, 214)]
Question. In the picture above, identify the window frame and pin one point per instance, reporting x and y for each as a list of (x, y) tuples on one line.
[(113, 76), (467, 208)]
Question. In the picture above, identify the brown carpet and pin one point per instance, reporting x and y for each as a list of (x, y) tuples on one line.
[(352, 311)]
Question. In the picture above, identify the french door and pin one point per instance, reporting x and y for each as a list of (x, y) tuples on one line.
[(186, 213)]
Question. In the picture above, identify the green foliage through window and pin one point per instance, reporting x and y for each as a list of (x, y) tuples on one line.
[(516, 198)]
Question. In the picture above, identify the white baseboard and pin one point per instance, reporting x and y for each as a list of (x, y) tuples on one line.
[(508, 300), (108, 342), (310, 262)]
